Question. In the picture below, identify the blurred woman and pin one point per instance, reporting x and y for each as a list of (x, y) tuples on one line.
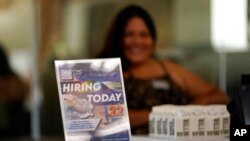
[(148, 80)]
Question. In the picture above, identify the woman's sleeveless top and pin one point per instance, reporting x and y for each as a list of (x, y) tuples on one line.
[(146, 93)]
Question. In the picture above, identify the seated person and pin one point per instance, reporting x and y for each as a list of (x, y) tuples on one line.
[(148, 80)]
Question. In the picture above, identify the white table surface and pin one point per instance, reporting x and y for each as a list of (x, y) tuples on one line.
[(147, 138)]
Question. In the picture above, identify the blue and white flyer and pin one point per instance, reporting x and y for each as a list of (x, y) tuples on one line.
[(92, 99)]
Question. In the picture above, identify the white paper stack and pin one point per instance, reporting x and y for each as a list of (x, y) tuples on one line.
[(190, 121)]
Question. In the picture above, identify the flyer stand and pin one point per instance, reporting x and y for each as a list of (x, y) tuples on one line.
[(92, 99)]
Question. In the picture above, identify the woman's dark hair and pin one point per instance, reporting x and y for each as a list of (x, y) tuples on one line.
[(5, 69), (113, 46)]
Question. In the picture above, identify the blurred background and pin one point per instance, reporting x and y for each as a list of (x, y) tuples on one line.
[(34, 33)]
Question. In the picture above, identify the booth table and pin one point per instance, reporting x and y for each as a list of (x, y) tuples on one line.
[(134, 138), (146, 138)]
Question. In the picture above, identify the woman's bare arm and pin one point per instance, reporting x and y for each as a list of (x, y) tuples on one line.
[(200, 91), (138, 117)]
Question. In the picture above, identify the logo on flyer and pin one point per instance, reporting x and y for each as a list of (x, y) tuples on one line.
[(66, 74)]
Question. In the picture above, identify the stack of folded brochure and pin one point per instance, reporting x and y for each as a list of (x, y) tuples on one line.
[(189, 122)]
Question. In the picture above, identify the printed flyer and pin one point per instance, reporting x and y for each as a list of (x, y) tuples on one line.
[(92, 99)]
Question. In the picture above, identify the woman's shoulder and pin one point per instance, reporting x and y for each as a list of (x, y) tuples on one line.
[(171, 65), (176, 71)]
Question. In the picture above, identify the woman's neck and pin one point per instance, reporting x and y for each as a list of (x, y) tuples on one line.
[(145, 70), (141, 65)]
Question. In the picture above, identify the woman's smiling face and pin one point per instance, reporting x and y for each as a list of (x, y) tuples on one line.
[(137, 41)]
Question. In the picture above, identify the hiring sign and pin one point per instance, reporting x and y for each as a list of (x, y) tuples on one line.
[(92, 99)]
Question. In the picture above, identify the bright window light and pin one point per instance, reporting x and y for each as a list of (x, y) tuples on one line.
[(229, 25)]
